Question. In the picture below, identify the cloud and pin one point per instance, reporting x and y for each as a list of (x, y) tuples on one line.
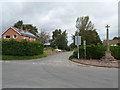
[(63, 15)]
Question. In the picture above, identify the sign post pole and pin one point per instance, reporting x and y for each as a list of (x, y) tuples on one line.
[(85, 48), (78, 51)]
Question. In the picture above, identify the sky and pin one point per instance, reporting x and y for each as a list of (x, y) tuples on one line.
[(49, 16)]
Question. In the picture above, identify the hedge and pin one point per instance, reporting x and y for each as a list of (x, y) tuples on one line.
[(115, 51), (96, 52), (21, 48)]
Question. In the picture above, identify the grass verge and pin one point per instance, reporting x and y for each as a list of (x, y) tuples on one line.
[(6, 57), (48, 50)]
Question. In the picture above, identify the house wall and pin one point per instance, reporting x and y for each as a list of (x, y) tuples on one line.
[(11, 32), (111, 42), (30, 39)]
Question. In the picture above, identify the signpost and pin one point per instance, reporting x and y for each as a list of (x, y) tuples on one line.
[(85, 48), (78, 42)]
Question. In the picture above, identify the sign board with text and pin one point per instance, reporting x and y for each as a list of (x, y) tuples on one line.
[(77, 40)]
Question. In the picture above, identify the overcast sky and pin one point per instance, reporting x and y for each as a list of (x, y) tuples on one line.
[(49, 16)]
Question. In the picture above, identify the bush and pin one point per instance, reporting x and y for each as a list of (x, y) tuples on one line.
[(96, 52), (115, 51), (21, 48), (68, 48), (92, 52)]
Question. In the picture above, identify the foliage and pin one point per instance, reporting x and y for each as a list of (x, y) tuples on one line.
[(87, 31), (59, 39), (116, 38), (21, 48), (29, 27), (96, 52), (92, 52), (115, 51), (18, 24), (83, 23), (72, 46), (43, 37)]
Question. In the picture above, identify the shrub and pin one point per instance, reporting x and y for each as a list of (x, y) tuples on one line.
[(92, 52), (21, 48), (115, 51), (96, 52)]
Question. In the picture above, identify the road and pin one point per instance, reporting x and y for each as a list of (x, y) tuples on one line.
[(56, 71)]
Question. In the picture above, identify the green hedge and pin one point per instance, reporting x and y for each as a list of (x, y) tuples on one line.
[(115, 51), (96, 52), (21, 48)]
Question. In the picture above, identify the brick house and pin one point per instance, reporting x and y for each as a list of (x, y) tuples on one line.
[(18, 34), (111, 42)]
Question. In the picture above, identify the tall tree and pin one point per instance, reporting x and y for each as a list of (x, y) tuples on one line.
[(59, 39), (87, 31), (29, 27), (18, 24), (43, 37)]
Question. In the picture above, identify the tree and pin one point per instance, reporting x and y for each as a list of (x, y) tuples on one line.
[(87, 31), (18, 24), (116, 38), (59, 39), (43, 37), (32, 29)]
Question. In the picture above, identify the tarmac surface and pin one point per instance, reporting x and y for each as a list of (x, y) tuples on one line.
[(56, 71)]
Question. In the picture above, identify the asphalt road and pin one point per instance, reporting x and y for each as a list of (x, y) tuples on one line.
[(56, 71)]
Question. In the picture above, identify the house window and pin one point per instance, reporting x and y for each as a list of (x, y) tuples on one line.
[(6, 36), (15, 36)]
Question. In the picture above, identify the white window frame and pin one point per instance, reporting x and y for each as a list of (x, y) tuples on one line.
[(5, 36), (16, 35)]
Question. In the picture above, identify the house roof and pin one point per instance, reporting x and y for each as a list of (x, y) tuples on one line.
[(112, 42), (23, 32)]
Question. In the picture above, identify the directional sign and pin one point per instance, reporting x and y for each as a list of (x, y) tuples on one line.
[(77, 40)]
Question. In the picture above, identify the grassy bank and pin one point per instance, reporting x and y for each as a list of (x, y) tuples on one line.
[(6, 57)]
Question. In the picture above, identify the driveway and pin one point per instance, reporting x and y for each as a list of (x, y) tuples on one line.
[(56, 71)]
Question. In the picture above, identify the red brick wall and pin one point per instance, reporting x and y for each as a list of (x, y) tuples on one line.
[(11, 32)]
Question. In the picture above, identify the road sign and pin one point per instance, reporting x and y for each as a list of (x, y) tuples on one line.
[(77, 40)]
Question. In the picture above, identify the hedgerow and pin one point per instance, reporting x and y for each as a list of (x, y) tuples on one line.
[(21, 48), (96, 52)]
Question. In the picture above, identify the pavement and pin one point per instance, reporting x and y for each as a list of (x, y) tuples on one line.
[(56, 71)]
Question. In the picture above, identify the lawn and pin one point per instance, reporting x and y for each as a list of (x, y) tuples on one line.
[(6, 57)]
